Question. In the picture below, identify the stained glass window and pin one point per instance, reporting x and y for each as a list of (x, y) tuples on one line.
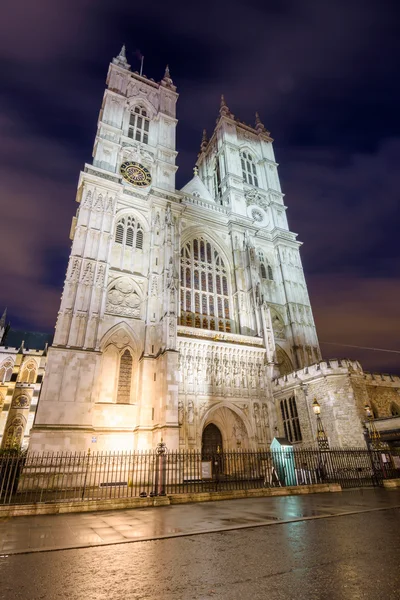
[(203, 269), (197, 322), (220, 313), (124, 379), (218, 278), (226, 308), (208, 252), (202, 253), (225, 286)]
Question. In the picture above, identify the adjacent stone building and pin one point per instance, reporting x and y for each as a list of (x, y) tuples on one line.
[(342, 389), (21, 375)]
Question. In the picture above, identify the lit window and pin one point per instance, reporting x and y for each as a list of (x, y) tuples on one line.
[(203, 270), (249, 170), (139, 125), (124, 378), (290, 419), (6, 370), (28, 374)]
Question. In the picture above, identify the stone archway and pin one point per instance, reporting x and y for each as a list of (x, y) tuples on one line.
[(211, 440), (232, 426)]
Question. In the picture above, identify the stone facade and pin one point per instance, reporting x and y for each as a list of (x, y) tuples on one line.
[(342, 389), (179, 307), (21, 376)]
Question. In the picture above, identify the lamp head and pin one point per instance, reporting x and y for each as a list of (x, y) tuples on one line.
[(316, 407)]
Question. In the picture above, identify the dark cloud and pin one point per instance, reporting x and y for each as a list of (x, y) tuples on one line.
[(324, 77)]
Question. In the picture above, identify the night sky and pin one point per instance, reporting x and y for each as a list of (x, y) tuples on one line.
[(324, 76)]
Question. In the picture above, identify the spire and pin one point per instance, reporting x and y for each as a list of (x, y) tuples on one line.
[(204, 141), (21, 348), (224, 110), (3, 319), (166, 80), (120, 60), (260, 125)]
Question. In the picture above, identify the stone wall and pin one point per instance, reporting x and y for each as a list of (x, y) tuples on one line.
[(342, 389)]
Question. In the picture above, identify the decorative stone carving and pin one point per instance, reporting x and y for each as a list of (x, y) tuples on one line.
[(122, 299), (190, 412)]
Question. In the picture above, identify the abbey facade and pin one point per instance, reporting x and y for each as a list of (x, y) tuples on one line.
[(180, 308)]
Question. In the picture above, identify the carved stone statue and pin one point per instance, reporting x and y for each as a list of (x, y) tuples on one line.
[(180, 412), (190, 412)]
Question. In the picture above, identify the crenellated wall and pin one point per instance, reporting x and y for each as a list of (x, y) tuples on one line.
[(342, 389)]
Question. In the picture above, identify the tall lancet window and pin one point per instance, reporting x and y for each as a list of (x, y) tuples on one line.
[(6, 370), (249, 170), (125, 378), (204, 287), (139, 125), (128, 232)]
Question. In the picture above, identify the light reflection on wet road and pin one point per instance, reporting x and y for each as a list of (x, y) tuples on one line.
[(353, 557)]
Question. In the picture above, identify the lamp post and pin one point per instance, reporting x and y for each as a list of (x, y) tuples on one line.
[(322, 439), (373, 435)]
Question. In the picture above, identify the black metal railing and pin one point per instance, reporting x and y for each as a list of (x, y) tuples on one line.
[(77, 477)]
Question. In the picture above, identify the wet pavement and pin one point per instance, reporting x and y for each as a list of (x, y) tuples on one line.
[(349, 557), (56, 532)]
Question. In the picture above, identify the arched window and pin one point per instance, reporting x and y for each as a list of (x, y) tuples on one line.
[(249, 170), (6, 370), (263, 271), (125, 378), (204, 287), (139, 125), (290, 419), (15, 431), (28, 374), (129, 233), (270, 274), (395, 410)]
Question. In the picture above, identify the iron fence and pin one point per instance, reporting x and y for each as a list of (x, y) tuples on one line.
[(77, 477)]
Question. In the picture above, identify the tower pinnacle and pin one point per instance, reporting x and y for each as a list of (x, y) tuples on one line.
[(204, 141), (166, 80), (224, 110), (260, 128), (120, 60)]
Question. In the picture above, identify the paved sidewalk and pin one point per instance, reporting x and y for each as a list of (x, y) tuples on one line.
[(56, 532)]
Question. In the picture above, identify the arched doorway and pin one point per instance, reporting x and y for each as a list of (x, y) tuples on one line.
[(211, 440)]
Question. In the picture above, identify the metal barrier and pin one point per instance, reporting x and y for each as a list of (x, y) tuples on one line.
[(77, 477)]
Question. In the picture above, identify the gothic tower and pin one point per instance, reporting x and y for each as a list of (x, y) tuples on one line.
[(179, 307)]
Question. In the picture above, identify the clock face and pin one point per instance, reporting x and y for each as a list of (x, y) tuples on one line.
[(135, 173)]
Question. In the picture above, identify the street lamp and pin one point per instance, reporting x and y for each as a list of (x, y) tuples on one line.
[(374, 437), (322, 439)]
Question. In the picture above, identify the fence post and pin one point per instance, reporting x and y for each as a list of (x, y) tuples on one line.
[(86, 474)]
